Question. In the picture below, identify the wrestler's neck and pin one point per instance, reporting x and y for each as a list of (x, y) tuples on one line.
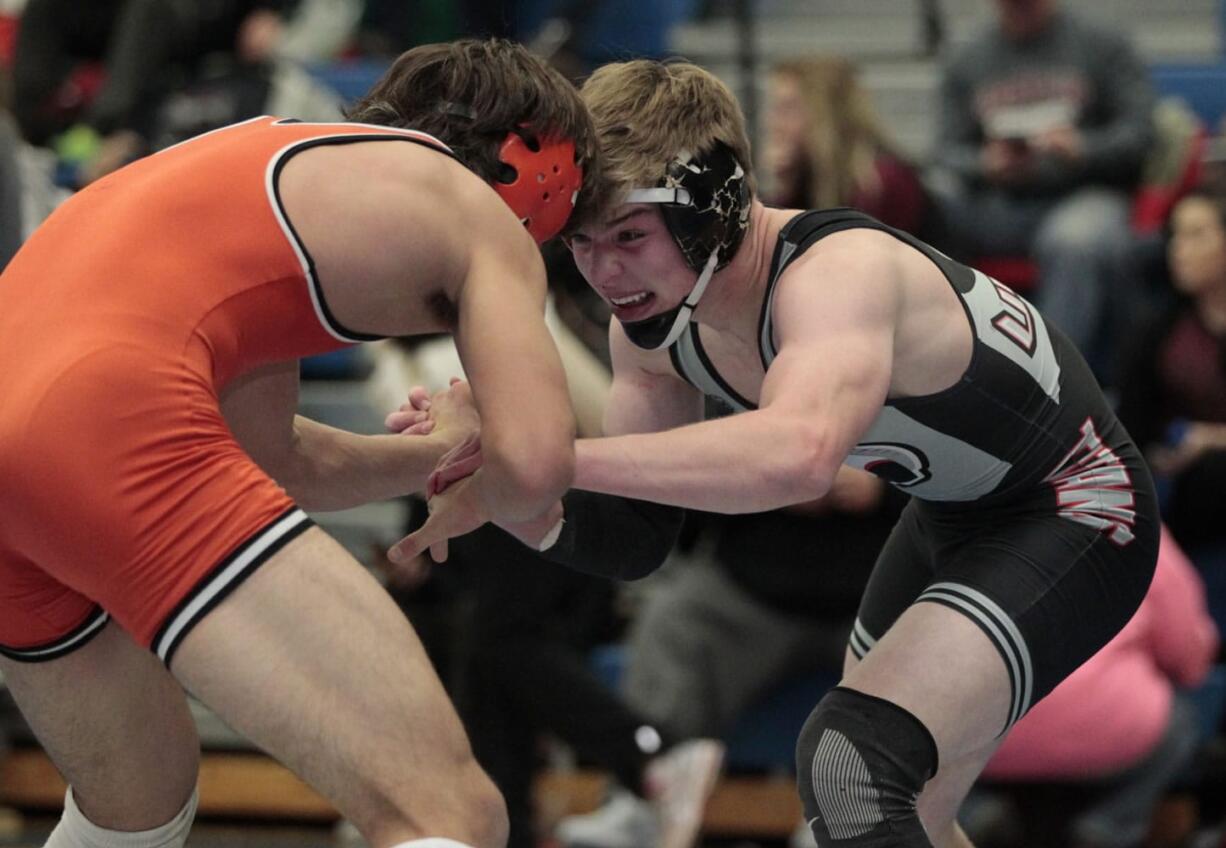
[(732, 303)]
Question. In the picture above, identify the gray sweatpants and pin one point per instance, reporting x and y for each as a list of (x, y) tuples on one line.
[(702, 651)]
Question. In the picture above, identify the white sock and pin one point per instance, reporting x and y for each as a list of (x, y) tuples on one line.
[(432, 842), (76, 831)]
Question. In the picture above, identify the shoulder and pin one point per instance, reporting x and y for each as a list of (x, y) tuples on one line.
[(435, 200), (389, 169), (855, 251), (421, 176), (854, 275)]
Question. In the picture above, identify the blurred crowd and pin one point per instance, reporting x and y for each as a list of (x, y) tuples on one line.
[(1055, 168)]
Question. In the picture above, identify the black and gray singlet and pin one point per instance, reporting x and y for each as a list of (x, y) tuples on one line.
[(1032, 511)]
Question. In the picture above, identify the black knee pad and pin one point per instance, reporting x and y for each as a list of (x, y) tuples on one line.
[(860, 764)]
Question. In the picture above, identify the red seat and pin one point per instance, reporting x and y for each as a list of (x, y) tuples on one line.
[(1017, 272), (8, 40)]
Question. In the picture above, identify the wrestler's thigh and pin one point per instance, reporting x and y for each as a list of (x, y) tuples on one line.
[(938, 665), (310, 659)]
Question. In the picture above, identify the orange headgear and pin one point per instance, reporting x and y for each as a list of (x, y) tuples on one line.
[(540, 181)]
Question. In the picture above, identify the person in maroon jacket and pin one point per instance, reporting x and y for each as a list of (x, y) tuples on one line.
[(825, 146)]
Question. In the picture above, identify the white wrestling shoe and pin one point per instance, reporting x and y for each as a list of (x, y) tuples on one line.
[(624, 821), (678, 782), (802, 837)]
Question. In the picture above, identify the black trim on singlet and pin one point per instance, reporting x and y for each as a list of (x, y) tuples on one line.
[(215, 586), (312, 277), (1002, 631), (787, 246), (674, 356), (807, 228), (1012, 389), (710, 368), (80, 636), (1011, 395), (993, 387), (778, 263), (1008, 397)]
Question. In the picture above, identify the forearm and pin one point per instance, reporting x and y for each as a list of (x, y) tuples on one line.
[(521, 481), (745, 463), (1212, 434), (334, 469), (614, 537)]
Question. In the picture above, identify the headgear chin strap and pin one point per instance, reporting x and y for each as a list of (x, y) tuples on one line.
[(704, 201), (660, 331), (540, 181)]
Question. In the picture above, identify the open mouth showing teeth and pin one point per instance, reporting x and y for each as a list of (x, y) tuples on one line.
[(630, 299)]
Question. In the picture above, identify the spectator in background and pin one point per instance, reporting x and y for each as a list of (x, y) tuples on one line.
[(1044, 122), (92, 78), (1116, 731), (578, 35), (1173, 391), (524, 673), (28, 193), (318, 30), (775, 601), (826, 147), (141, 48), (389, 26)]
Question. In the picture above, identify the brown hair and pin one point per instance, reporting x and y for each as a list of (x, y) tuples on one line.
[(646, 112), (844, 136), (471, 93)]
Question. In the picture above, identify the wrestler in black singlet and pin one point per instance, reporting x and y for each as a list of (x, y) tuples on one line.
[(1033, 513)]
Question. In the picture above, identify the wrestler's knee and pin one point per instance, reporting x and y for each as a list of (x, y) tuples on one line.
[(861, 762)]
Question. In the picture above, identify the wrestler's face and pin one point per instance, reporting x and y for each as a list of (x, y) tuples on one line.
[(1198, 247), (631, 260)]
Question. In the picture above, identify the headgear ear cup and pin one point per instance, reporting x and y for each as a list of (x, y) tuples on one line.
[(540, 182), (705, 202)]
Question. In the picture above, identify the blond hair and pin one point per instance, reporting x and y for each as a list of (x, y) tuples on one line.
[(646, 112), (844, 136)]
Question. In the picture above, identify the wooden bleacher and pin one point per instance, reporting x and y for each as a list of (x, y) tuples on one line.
[(252, 786)]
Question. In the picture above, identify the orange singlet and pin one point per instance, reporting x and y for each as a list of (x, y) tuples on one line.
[(122, 491)]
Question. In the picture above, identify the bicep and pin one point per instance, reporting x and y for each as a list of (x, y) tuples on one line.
[(838, 387), (836, 349), (259, 408)]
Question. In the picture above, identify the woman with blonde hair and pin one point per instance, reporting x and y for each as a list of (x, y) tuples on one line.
[(826, 147)]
